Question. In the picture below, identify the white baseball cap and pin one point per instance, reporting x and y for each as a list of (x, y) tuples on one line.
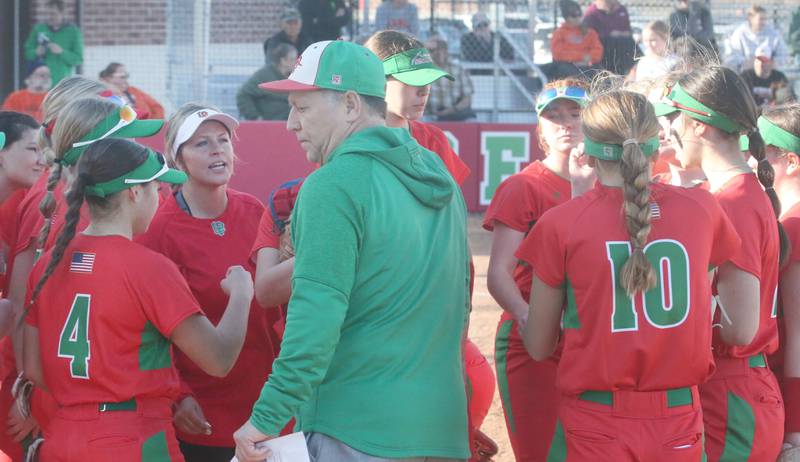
[(193, 121)]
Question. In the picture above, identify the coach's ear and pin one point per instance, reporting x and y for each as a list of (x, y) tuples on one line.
[(354, 106)]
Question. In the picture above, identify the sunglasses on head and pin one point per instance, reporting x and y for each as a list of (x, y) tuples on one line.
[(571, 92)]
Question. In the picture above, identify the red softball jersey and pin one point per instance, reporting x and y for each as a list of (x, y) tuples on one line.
[(8, 234), (203, 250), (105, 318), (520, 201), (748, 207), (29, 218), (654, 341), (791, 224), (433, 139)]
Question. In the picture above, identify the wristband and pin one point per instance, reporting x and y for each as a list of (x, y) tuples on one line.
[(791, 403)]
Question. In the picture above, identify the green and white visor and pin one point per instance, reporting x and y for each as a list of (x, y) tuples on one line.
[(414, 67), (2, 139), (679, 100), (154, 168), (606, 151), (334, 65), (778, 137), (119, 124)]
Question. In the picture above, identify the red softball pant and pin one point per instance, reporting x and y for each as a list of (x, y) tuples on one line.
[(624, 426), (89, 433), (743, 411), (528, 393)]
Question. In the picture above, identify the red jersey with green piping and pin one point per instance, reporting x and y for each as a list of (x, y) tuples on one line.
[(791, 224), (750, 211), (203, 250), (613, 341), (520, 201), (105, 317)]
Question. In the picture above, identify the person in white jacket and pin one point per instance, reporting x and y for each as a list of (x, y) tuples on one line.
[(755, 33)]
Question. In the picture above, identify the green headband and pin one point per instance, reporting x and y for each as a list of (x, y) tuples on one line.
[(414, 67), (120, 123), (776, 136), (679, 100), (605, 151), (153, 168), (2, 139)]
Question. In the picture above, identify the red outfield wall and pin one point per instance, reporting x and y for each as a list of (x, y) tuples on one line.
[(270, 155)]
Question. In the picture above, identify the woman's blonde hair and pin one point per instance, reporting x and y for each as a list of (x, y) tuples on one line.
[(75, 120), (615, 117), (174, 124), (65, 91)]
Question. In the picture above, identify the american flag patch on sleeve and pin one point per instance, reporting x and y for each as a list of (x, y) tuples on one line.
[(655, 211), (81, 262)]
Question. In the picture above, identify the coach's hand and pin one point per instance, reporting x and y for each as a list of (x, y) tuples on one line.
[(189, 418), (247, 441)]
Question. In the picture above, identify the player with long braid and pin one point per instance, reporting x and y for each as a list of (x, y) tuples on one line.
[(629, 280)]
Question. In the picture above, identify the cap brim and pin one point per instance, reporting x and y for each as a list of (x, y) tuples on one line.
[(173, 176), (664, 109), (2, 140), (286, 85), (140, 129), (579, 101), (421, 77)]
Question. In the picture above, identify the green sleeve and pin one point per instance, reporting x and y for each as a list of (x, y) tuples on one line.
[(246, 98), (327, 229), (72, 53), (31, 43)]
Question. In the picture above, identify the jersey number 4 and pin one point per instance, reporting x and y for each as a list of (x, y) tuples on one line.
[(74, 341), (665, 305)]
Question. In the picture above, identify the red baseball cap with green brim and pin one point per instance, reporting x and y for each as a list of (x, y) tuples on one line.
[(679, 100), (334, 65), (776, 136), (2, 139), (120, 123), (154, 168), (414, 67)]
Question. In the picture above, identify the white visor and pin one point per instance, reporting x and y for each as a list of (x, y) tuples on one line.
[(191, 124)]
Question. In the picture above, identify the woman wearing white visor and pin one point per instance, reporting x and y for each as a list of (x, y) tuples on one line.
[(206, 227)]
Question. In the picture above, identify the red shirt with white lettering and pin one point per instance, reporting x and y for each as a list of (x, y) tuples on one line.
[(105, 317), (613, 341)]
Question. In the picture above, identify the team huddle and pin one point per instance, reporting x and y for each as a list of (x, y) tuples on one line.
[(648, 269)]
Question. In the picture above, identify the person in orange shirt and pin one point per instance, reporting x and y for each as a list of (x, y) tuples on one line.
[(115, 77), (576, 48), (29, 100)]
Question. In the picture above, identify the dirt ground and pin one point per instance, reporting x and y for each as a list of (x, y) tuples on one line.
[(483, 323)]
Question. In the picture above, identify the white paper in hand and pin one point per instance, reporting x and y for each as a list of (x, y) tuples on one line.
[(289, 448)]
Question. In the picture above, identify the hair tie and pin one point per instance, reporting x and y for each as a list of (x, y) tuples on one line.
[(630, 141), (768, 188), (763, 160)]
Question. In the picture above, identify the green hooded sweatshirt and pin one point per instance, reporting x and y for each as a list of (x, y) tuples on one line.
[(372, 354), (71, 41)]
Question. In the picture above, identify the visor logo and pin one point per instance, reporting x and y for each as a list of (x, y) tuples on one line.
[(202, 114), (423, 57)]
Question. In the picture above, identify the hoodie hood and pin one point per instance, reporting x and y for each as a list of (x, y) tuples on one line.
[(420, 171)]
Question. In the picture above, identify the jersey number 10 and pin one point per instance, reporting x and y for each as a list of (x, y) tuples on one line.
[(73, 343), (665, 305)]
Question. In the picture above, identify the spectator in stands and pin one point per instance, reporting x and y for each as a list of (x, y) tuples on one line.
[(751, 35), (59, 44), (29, 100), (611, 21), (449, 100), (693, 19), (257, 104), (399, 15), (115, 77), (324, 19), (291, 33), (769, 86), (794, 33), (658, 60), (576, 48), (478, 45)]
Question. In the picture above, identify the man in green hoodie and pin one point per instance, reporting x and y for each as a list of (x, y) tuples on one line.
[(370, 363), (58, 44)]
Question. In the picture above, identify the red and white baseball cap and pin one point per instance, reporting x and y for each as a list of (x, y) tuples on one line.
[(193, 121), (334, 65)]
